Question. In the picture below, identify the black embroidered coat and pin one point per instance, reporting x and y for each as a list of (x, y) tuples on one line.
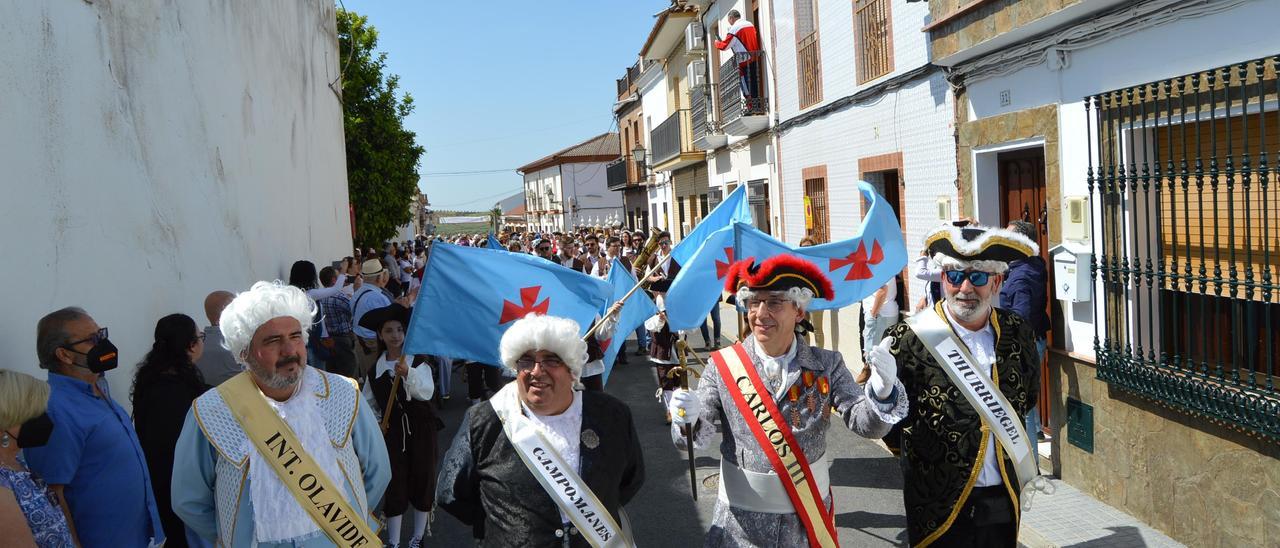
[(485, 484), (943, 438)]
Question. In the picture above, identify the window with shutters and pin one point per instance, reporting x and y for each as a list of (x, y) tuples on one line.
[(808, 59), (873, 38), (815, 194), (1184, 172)]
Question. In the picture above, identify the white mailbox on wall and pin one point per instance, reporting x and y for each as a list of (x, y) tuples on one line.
[(1071, 262)]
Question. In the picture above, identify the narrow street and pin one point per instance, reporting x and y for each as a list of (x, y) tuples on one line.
[(865, 478)]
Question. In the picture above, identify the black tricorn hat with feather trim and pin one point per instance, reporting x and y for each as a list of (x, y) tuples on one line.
[(978, 247)]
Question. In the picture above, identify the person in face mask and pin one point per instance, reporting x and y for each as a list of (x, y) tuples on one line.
[(93, 460), (30, 513)]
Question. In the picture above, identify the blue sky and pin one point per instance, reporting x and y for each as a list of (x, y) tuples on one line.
[(499, 84)]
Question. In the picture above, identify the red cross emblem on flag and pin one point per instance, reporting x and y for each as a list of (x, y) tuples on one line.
[(528, 296), (604, 343), (722, 267), (860, 269)]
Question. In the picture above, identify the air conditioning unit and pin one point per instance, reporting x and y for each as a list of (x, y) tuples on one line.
[(696, 73), (694, 38)]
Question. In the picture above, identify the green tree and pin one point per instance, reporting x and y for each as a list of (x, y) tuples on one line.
[(382, 156)]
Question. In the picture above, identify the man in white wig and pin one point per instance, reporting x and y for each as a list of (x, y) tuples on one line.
[(971, 372), (544, 462), (282, 454), (774, 396)]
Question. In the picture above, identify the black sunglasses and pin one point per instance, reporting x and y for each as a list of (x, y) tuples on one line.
[(976, 277)]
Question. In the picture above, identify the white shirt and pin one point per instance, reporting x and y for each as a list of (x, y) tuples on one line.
[(889, 308), (982, 345), (563, 432), (777, 373)]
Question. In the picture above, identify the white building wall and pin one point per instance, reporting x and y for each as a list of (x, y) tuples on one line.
[(156, 151), (1242, 33), (836, 48), (653, 103), (587, 183), (916, 120)]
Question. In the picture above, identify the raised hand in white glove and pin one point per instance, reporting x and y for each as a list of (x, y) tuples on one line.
[(884, 368), (684, 407)]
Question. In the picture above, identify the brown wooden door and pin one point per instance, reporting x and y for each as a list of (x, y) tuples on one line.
[(1023, 188)]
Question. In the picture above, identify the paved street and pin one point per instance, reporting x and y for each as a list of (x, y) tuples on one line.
[(865, 477)]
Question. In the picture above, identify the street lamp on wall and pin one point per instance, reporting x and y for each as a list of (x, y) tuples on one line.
[(637, 154)]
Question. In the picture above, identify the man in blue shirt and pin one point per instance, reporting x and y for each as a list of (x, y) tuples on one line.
[(93, 461), (370, 296)]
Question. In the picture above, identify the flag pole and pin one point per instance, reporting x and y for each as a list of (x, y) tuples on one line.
[(641, 283), (682, 350)]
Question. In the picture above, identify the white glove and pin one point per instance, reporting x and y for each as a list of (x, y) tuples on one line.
[(684, 407), (884, 369)]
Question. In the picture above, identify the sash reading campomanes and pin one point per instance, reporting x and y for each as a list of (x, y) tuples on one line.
[(778, 443), (312, 488), (976, 385), (569, 492)]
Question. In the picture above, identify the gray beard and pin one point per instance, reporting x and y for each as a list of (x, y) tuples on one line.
[(963, 313), (273, 380)]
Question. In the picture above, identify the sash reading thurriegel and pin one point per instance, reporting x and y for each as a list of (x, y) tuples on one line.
[(569, 492), (778, 443), (978, 389), (312, 488)]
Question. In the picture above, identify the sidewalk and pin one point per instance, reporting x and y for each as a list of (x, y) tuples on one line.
[(1068, 517)]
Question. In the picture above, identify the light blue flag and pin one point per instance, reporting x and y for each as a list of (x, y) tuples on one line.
[(470, 296), (857, 267), (732, 209), (633, 314), (494, 243)]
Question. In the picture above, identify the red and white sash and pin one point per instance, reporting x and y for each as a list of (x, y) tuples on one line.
[(778, 443)]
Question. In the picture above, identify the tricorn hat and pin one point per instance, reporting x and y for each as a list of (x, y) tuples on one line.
[(778, 273), (978, 247), (374, 319)]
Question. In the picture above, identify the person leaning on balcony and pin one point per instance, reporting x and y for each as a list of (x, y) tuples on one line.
[(742, 39)]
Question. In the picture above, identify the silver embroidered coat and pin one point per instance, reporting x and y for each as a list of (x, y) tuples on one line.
[(851, 402)]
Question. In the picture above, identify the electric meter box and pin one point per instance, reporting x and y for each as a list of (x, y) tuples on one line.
[(1071, 262)]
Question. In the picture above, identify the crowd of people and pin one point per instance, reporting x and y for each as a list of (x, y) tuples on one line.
[(295, 416)]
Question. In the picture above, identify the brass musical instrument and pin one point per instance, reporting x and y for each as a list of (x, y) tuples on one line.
[(641, 262)]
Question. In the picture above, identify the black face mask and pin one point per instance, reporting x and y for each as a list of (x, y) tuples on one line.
[(102, 357), (35, 432)]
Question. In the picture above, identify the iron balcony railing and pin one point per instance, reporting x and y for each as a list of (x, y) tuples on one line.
[(742, 86), (1184, 174), (616, 176), (671, 137), (699, 111)]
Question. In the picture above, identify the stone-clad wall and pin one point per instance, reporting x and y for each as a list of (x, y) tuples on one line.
[(991, 19), (1041, 122), (1200, 483)]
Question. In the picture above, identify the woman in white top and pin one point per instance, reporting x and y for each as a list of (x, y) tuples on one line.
[(409, 422), (879, 312)]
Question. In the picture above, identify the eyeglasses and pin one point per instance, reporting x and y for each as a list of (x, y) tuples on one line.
[(201, 336), (550, 362), (772, 305), (976, 277), (95, 338), (664, 243)]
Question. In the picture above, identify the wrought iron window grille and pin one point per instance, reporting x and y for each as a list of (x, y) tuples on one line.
[(1182, 172)]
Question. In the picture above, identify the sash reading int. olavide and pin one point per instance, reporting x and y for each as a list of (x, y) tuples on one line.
[(981, 393), (570, 493), (297, 470)]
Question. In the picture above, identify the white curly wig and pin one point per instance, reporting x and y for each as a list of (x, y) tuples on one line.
[(802, 296), (548, 333), (262, 303), (948, 262)]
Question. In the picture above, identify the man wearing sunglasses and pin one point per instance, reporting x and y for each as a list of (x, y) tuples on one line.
[(93, 461), (971, 373)]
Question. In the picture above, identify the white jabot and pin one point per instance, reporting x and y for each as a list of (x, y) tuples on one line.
[(277, 516), (564, 432), (982, 345), (778, 375)]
